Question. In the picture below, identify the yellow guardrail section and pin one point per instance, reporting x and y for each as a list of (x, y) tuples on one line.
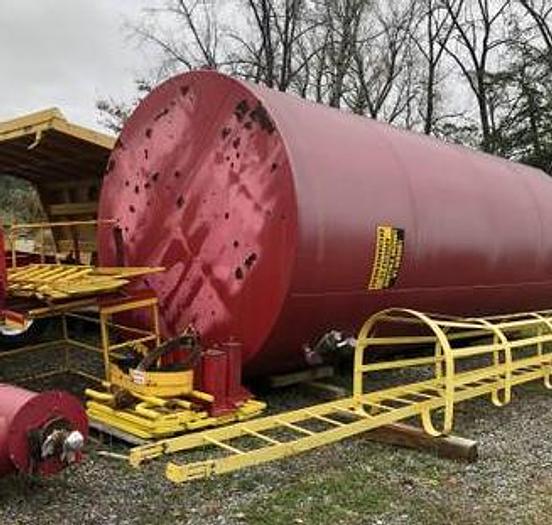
[(419, 365), (470, 358)]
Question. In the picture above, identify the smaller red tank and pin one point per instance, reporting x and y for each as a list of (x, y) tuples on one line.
[(40, 434)]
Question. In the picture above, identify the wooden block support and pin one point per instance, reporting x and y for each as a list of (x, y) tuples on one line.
[(116, 433), (303, 376), (450, 447), (326, 390), (74, 208)]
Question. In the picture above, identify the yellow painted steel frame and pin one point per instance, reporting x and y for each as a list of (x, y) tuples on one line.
[(467, 358), (166, 402), (107, 350)]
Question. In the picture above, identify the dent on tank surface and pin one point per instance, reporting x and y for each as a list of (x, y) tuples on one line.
[(279, 220)]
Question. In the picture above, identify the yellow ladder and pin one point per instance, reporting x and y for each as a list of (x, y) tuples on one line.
[(501, 352), (335, 420)]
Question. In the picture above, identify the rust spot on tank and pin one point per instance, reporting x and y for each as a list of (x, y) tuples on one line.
[(148, 133), (147, 185), (241, 110), (184, 90), (180, 201), (136, 189), (226, 216), (161, 114), (155, 176), (236, 143), (274, 166), (260, 115), (250, 260), (127, 183), (235, 244), (146, 154), (248, 125), (225, 132), (238, 273), (176, 174), (131, 208)]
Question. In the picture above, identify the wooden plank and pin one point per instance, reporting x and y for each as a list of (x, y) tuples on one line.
[(67, 245), (303, 376), (90, 182), (74, 208), (326, 390), (402, 435), (116, 433)]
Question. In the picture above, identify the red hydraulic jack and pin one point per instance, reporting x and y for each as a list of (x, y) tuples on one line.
[(221, 377)]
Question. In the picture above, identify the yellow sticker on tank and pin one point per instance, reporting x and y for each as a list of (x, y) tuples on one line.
[(388, 257)]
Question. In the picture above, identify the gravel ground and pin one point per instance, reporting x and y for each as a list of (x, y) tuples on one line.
[(352, 482)]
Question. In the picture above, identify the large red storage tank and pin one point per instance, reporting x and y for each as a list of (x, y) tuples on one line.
[(267, 210)]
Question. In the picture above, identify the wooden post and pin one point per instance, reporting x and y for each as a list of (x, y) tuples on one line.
[(451, 447), (326, 390), (303, 376)]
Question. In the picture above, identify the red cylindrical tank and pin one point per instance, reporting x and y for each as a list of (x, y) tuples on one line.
[(278, 219), (39, 433)]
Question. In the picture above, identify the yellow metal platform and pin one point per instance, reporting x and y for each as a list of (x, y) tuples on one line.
[(150, 417)]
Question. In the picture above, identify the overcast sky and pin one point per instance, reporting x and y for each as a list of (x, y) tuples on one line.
[(67, 53)]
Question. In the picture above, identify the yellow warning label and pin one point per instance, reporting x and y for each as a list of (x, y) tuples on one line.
[(388, 257)]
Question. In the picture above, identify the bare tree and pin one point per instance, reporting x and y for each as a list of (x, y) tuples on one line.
[(275, 52), (342, 22), (475, 36), (190, 41), (431, 34), (540, 12), (382, 61), (385, 59)]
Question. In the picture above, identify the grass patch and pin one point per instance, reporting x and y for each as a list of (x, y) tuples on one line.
[(335, 496)]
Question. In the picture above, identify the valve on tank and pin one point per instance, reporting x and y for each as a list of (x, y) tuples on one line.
[(330, 346)]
